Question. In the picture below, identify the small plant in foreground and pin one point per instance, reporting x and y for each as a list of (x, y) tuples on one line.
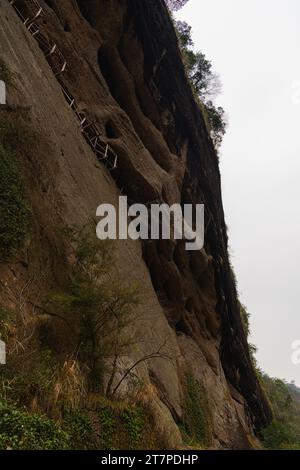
[(22, 431)]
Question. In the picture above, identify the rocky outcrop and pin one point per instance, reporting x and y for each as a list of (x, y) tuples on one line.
[(125, 71)]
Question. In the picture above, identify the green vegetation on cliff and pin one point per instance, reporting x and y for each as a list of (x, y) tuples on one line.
[(284, 398), (58, 388), (14, 213), (196, 428), (284, 431), (205, 84)]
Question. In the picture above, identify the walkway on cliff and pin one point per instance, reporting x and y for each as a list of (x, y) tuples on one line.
[(29, 11)]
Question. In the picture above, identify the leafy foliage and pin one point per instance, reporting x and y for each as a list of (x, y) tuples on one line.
[(245, 317), (205, 83), (107, 422), (284, 431), (78, 425), (134, 423), (26, 376), (216, 117), (122, 426), (21, 431), (277, 436), (197, 420)]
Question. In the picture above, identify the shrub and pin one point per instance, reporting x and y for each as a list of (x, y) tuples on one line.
[(79, 427), (28, 375), (99, 307), (108, 425), (134, 421), (123, 426), (284, 430), (277, 435), (22, 431)]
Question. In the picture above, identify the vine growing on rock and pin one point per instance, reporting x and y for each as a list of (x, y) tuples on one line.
[(15, 138)]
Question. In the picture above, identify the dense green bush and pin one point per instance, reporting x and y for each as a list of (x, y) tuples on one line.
[(21, 431), (284, 431), (78, 425), (284, 399), (123, 426), (278, 436)]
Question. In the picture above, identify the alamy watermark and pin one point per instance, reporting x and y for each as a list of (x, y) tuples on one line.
[(152, 222), (2, 92), (2, 352)]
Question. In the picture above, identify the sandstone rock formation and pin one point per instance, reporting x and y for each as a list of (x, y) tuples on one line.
[(125, 71)]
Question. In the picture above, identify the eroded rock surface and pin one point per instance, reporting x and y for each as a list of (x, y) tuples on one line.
[(125, 70)]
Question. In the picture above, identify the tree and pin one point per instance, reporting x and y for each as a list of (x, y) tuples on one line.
[(205, 83), (175, 5), (102, 310), (216, 117), (277, 436)]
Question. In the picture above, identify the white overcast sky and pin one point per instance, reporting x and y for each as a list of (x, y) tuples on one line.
[(254, 46)]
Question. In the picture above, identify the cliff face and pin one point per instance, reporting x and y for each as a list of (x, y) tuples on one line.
[(125, 72)]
